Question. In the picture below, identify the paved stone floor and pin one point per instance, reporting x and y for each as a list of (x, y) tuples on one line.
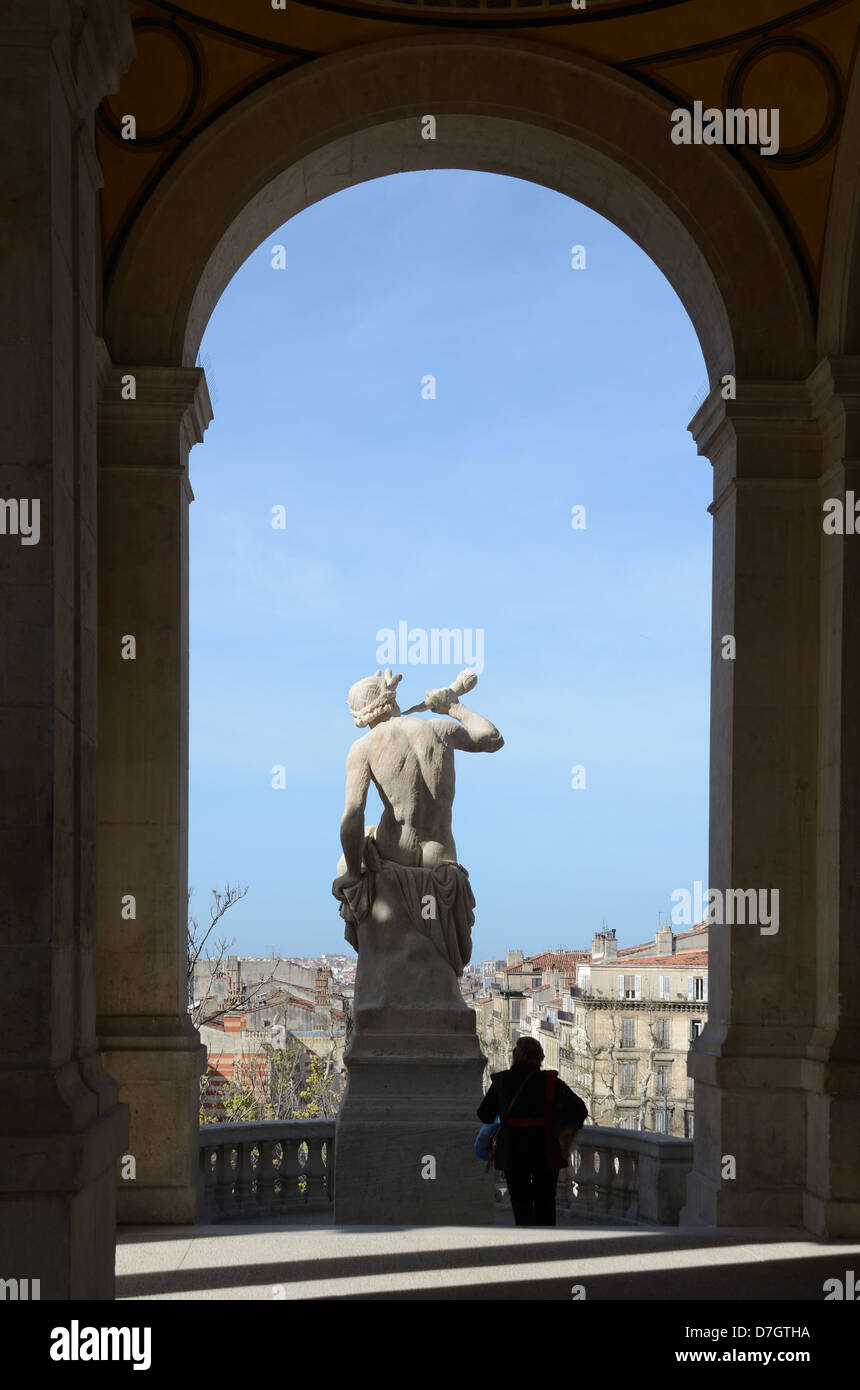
[(306, 1258)]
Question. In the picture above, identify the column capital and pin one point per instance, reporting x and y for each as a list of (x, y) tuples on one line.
[(159, 424), (834, 388), (759, 410), (834, 376)]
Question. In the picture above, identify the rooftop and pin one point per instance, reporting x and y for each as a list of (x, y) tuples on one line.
[(680, 958)]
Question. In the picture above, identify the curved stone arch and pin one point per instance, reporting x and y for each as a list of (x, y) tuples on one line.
[(503, 106), (839, 317)]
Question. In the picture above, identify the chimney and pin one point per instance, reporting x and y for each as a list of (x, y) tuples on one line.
[(321, 982), (611, 946), (598, 945), (664, 941), (234, 1023)]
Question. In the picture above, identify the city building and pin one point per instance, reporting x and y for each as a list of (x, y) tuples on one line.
[(616, 1024)]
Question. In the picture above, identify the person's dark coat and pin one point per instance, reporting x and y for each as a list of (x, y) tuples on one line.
[(536, 1144)]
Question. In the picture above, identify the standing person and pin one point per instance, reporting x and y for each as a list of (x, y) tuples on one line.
[(529, 1103)]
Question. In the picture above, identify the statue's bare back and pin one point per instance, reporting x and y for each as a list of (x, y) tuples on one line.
[(411, 763)]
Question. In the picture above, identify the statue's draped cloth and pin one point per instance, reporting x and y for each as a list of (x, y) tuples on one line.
[(448, 885)]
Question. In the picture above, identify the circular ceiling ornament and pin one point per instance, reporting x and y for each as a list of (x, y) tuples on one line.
[(164, 49), (748, 69)]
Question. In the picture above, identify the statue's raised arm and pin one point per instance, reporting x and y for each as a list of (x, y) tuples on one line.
[(472, 733)]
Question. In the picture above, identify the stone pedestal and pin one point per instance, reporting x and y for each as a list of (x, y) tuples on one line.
[(407, 1113), (415, 1068)]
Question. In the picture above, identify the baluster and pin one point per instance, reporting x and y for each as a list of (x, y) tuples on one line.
[(279, 1180), (243, 1198), (579, 1170), (598, 1165), (614, 1182), (266, 1200), (632, 1181), (222, 1178), (290, 1171), (327, 1150), (315, 1173), (209, 1180)]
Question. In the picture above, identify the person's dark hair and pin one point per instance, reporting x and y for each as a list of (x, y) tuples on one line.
[(528, 1050)]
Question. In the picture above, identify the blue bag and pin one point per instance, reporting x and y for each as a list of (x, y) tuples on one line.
[(485, 1137)]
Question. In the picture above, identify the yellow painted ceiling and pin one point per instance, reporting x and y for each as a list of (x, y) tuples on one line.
[(195, 60)]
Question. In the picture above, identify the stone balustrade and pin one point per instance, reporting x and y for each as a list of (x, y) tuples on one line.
[(267, 1168), (285, 1166), (623, 1175), (631, 1175)]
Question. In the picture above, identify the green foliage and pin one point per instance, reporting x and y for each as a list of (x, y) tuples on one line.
[(318, 1098), (205, 1117)]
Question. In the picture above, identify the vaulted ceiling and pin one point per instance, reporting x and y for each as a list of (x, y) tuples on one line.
[(195, 61)]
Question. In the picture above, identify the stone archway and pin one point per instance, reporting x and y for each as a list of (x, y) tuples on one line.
[(518, 108)]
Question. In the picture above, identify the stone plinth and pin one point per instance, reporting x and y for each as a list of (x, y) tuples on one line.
[(415, 1068), (408, 1100)]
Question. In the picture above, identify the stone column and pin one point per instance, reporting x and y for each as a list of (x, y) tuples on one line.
[(149, 418), (751, 1064), (831, 1204), (62, 1129)]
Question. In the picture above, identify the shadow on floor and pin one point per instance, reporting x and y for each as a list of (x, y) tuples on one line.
[(688, 1273)]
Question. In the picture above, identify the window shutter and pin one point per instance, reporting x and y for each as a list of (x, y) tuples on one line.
[(664, 987), (638, 986), (705, 987), (620, 986), (691, 987)]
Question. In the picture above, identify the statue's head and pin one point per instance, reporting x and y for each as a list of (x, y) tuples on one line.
[(374, 699)]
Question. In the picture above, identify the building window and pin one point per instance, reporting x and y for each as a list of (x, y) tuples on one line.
[(631, 986), (628, 1078), (665, 987), (690, 1084), (663, 1078), (628, 1032), (662, 1033), (515, 1010), (659, 1118), (698, 986), (695, 1028), (688, 1124), (628, 1119)]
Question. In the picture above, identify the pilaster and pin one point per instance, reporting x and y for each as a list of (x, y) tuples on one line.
[(750, 1063), (149, 419), (831, 1201)]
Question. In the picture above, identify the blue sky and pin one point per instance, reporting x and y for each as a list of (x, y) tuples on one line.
[(555, 388)]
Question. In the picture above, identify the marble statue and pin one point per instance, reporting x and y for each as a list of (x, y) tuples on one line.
[(414, 1063), (399, 883)]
